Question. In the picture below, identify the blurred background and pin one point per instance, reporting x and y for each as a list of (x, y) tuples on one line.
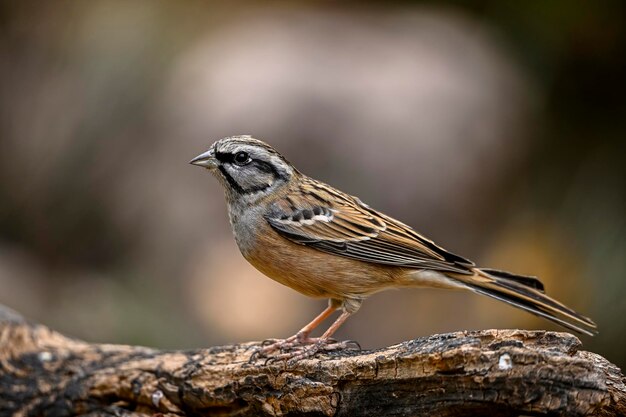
[(496, 128)]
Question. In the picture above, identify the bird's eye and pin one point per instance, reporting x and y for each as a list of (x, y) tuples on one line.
[(242, 158)]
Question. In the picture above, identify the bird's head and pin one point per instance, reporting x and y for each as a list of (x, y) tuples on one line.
[(247, 168)]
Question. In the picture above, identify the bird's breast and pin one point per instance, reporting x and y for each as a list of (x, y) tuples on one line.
[(307, 270)]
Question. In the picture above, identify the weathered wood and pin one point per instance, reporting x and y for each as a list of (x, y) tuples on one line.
[(492, 372)]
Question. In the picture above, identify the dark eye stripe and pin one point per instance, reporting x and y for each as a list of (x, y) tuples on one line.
[(224, 157), (265, 167), (260, 166)]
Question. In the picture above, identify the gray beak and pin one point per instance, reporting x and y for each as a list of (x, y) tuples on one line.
[(206, 160)]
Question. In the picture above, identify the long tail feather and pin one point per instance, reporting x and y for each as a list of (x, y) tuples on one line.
[(522, 279), (525, 293)]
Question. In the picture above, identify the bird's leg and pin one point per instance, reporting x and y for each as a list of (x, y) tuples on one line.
[(333, 327), (302, 337), (324, 343)]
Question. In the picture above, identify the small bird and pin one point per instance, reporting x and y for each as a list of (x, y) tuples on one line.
[(325, 243)]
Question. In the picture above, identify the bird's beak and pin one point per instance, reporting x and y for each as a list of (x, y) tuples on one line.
[(206, 160)]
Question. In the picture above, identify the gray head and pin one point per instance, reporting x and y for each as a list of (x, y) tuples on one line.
[(247, 168)]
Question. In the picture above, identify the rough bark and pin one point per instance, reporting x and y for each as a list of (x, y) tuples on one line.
[(491, 372)]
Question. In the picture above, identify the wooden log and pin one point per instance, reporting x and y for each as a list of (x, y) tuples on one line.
[(490, 372)]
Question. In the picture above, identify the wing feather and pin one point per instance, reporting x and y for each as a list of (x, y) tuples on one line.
[(334, 222)]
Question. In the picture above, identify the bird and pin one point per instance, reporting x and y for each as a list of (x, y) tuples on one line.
[(325, 243)]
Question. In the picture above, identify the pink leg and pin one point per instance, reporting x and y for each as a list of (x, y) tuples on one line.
[(303, 334), (302, 337), (305, 347), (333, 327)]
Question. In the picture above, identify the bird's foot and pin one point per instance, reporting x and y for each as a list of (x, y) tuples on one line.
[(296, 348), (270, 346)]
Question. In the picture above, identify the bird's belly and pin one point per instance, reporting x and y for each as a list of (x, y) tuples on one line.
[(315, 273)]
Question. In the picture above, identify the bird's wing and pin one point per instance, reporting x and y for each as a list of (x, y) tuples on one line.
[(326, 219)]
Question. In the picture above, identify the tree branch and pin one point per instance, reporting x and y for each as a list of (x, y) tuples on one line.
[(491, 372)]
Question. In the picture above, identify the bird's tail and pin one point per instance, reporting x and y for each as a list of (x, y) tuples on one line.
[(526, 293)]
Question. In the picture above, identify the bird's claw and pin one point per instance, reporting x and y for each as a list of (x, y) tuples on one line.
[(256, 354), (356, 345), (268, 342)]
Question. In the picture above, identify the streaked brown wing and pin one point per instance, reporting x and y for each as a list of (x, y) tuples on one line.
[(326, 219)]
